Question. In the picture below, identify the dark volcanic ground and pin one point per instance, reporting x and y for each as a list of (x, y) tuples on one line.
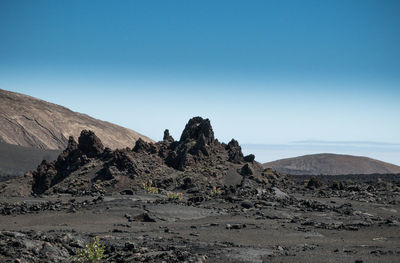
[(231, 210), (313, 230)]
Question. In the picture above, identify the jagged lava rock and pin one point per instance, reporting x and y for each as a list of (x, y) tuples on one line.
[(71, 159), (142, 146), (90, 144), (196, 128), (314, 182), (167, 138), (234, 151), (195, 163), (249, 158), (197, 140)]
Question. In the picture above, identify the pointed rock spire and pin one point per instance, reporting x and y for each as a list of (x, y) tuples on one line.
[(90, 144), (196, 128)]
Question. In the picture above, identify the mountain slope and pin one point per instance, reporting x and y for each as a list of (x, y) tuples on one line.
[(332, 164), (30, 122)]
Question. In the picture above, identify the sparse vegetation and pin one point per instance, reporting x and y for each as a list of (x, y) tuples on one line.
[(215, 191), (174, 196), (93, 252), (149, 188)]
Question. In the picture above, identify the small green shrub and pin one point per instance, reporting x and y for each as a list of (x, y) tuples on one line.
[(149, 188), (215, 191), (93, 252), (174, 196)]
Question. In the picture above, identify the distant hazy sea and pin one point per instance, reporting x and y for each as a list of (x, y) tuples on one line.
[(387, 152)]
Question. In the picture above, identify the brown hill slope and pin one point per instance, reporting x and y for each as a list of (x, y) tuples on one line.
[(332, 164), (30, 122)]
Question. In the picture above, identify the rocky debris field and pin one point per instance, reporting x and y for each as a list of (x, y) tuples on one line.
[(192, 200)]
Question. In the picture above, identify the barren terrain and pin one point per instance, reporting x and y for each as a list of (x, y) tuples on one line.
[(231, 209)]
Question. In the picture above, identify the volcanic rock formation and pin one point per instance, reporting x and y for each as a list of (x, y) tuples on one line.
[(71, 159), (196, 161)]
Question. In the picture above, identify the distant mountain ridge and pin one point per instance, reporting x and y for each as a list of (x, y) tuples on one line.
[(332, 164), (31, 122)]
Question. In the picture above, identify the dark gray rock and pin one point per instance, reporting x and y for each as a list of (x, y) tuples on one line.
[(234, 152), (249, 158), (246, 170), (246, 204), (90, 144)]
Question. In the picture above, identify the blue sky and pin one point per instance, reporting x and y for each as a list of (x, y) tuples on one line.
[(264, 72)]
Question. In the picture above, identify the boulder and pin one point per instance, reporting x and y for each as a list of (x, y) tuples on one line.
[(235, 154), (337, 186), (246, 204), (43, 177), (314, 182), (142, 146), (247, 170), (249, 158), (90, 144), (279, 194), (167, 138)]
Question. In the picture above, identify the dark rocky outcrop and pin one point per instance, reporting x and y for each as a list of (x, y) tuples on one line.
[(90, 144), (43, 177), (194, 163), (234, 152), (249, 158), (142, 146), (196, 129), (122, 160), (197, 141), (246, 170), (314, 182), (71, 159), (167, 138), (337, 186)]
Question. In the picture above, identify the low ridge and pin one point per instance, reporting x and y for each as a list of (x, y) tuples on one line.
[(332, 164)]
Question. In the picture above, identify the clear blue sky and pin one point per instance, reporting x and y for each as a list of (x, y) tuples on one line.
[(264, 72)]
